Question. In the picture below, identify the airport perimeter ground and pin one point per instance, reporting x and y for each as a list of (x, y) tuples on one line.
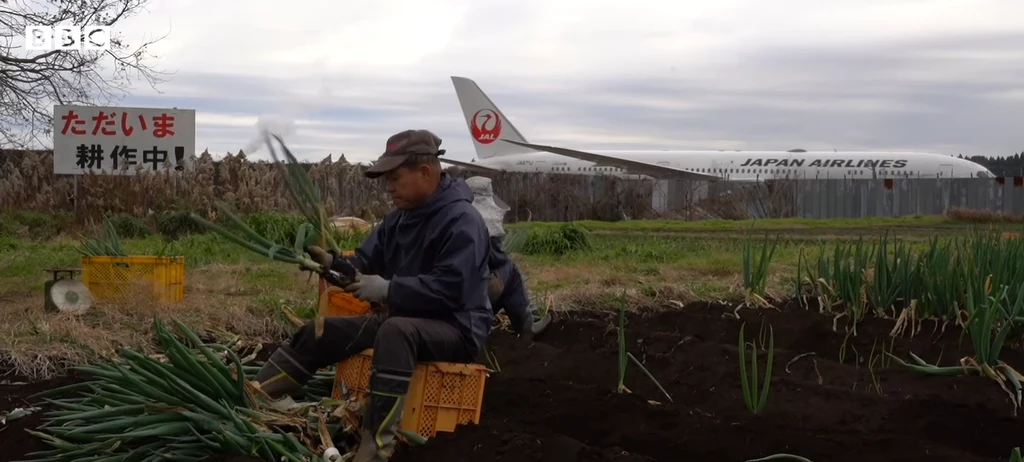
[(555, 399)]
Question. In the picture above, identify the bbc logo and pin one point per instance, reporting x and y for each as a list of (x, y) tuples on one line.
[(46, 38)]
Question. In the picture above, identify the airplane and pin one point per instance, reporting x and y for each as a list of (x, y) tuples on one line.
[(500, 146)]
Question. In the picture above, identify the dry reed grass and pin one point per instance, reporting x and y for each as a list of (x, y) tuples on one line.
[(38, 345), (27, 182), (983, 216)]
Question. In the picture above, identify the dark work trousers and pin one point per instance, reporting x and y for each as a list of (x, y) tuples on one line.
[(513, 297), (398, 344)]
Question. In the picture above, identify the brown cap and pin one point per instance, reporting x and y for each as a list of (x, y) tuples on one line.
[(402, 145)]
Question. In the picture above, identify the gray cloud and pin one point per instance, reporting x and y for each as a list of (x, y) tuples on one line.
[(949, 95)]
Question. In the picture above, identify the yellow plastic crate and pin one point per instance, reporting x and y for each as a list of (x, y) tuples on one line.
[(115, 278), (441, 395)]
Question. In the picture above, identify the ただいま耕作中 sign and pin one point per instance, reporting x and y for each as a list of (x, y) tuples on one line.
[(122, 140)]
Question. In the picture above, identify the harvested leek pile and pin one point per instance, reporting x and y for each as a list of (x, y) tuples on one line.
[(188, 406), (106, 244)]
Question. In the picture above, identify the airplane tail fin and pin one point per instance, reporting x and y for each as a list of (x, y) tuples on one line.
[(486, 123)]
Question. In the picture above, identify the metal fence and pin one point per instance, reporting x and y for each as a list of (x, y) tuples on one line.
[(839, 198), (893, 198)]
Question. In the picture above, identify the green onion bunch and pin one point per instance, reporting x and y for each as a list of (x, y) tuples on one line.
[(317, 230), (304, 194), (247, 238), (107, 244), (189, 407)]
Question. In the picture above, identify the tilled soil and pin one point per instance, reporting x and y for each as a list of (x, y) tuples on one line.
[(555, 399)]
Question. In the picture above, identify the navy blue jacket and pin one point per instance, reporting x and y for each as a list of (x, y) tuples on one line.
[(436, 257)]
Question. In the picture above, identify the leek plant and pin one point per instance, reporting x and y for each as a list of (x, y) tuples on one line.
[(989, 322), (307, 199), (975, 281), (304, 194), (754, 402), (317, 230), (625, 356), (890, 278), (246, 237), (755, 271)]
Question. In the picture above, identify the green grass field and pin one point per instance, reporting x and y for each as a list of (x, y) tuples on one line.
[(648, 263)]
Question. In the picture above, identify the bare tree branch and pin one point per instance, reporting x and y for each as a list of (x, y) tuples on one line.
[(32, 82)]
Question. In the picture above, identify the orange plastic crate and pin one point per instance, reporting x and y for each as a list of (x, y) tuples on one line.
[(336, 302), (441, 395), (117, 278), (340, 303)]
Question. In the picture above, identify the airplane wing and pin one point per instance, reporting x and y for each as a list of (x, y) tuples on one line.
[(469, 165), (632, 166)]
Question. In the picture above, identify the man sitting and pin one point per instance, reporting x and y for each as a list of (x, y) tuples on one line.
[(506, 288), (426, 264)]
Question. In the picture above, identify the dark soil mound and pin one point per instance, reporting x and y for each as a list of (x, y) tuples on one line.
[(555, 400)]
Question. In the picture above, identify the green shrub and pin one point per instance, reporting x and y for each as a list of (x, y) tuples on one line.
[(177, 224), (278, 227), (561, 240), (129, 226)]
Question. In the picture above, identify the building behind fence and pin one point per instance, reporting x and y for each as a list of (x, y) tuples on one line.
[(27, 183)]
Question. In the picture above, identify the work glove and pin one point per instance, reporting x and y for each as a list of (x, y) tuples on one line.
[(328, 259), (369, 288), (321, 256)]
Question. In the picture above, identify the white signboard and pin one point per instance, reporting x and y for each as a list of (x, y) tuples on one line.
[(122, 140)]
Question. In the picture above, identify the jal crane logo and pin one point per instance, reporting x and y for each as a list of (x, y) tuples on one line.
[(486, 126)]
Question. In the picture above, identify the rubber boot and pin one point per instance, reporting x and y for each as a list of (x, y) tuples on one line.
[(377, 440), (282, 374), (537, 324)]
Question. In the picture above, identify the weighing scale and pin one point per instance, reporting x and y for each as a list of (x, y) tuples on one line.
[(64, 294)]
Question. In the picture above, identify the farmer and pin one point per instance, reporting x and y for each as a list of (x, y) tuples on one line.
[(426, 265), (506, 287)]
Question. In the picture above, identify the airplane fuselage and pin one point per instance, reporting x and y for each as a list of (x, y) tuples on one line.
[(755, 165)]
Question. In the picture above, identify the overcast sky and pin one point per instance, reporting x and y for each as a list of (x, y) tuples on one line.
[(924, 75)]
